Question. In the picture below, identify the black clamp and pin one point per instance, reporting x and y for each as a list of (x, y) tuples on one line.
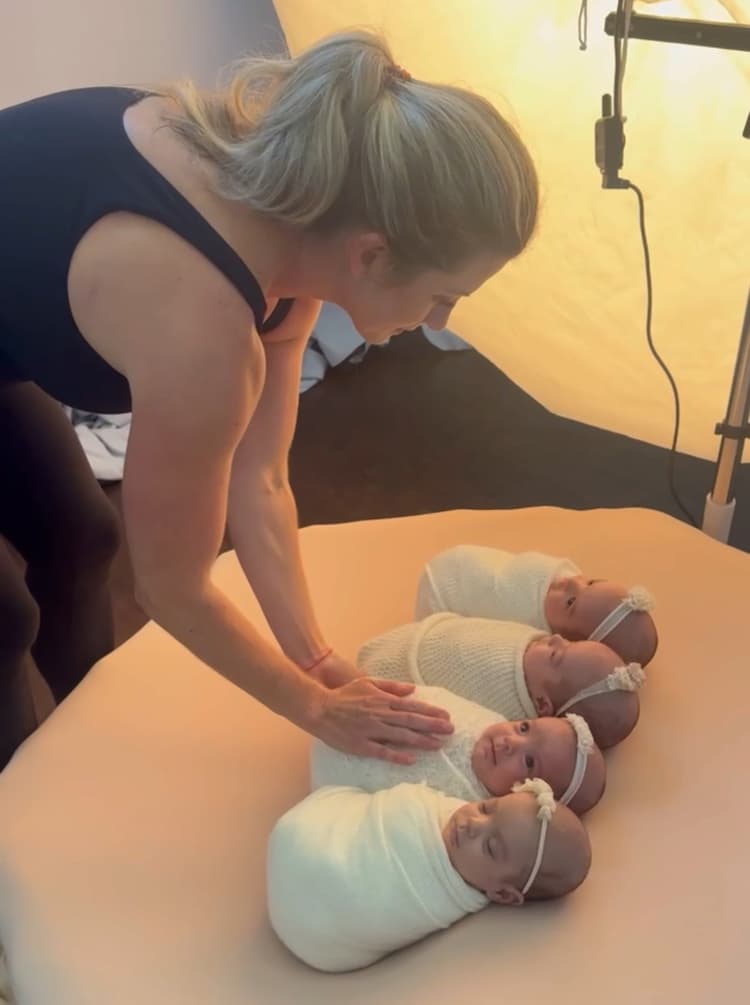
[(732, 432)]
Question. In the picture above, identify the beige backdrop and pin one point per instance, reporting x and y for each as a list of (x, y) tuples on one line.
[(566, 322), (49, 45)]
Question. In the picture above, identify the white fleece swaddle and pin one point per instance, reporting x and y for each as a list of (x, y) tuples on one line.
[(477, 658), (353, 876), (448, 769), (484, 582)]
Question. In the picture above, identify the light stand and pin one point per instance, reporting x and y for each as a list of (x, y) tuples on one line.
[(734, 430), (720, 503)]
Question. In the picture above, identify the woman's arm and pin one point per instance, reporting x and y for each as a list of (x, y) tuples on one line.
[(193, 396), (262, 511), (186, 424)]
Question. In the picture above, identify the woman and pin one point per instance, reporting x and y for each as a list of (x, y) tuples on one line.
[(166, 253)]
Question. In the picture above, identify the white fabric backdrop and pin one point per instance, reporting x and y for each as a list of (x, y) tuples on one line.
[(566, 322)]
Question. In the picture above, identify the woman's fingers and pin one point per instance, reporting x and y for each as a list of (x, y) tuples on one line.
[(400, 689), (418, 715), (397, 687), (362, 718), (405, 735), (415, 726)]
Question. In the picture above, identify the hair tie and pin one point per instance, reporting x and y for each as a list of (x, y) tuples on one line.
[(399, 73), (309, 667)]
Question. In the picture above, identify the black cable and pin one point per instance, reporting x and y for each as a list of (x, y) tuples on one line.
[(617, 38), (657, 357), (583, 25)]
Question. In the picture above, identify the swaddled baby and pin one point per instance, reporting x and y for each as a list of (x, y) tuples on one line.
[(485, 755), (353, 876), (513, 669), (549, 593)]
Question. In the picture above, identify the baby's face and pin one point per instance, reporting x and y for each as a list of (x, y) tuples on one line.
[(510, 752), (547, 656), (577, 664), (575, 605), (482, 842)]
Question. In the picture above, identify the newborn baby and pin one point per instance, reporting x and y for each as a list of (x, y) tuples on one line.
[(547, 592), (485, 755), (353, 876), (513, 669)]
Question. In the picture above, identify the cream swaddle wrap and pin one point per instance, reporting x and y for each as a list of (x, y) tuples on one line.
[(477, 658), (482, 582), (353, 876), (448, 769)]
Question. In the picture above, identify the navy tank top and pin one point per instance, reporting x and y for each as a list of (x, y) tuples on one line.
[(65, 162)]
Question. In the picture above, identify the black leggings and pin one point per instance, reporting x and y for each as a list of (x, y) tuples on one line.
[(56, 516)]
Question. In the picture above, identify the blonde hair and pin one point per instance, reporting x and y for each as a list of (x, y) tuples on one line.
[(338, 137)]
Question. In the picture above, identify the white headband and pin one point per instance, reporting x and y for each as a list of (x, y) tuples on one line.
[(636, 599), (546, 806), (584, 746), (628, 678)]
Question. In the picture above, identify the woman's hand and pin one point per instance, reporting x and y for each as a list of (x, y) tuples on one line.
[(375, 718), (334, 671)]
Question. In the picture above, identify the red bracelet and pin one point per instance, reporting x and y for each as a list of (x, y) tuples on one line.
[(316, 662)]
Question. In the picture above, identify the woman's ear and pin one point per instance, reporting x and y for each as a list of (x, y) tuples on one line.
[(506, 895), (368, 255), (543, 705)]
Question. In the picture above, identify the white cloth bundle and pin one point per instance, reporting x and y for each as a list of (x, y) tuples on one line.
[(353, 876), (447, 769), (477, 658), (484, 582)]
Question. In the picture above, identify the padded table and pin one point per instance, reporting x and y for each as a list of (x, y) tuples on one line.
[(133, 824)]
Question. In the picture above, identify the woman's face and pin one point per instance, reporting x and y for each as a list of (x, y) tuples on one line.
[(380, 306)]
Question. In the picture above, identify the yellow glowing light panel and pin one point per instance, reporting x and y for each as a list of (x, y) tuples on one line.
[(566, 322)]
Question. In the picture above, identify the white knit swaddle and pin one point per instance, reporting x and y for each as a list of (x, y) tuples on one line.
[(448, 769), (353, 876), (481, 582), (477, 658)]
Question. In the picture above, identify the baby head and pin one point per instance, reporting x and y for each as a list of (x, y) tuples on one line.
[(587, 678), (518, 847), (561, 751), (580, 608)]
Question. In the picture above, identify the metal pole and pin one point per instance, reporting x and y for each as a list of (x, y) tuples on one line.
[(684, 31), (720, 502)]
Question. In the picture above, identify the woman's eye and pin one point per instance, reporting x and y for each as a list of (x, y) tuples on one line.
[(529, 762), (523, 727)]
